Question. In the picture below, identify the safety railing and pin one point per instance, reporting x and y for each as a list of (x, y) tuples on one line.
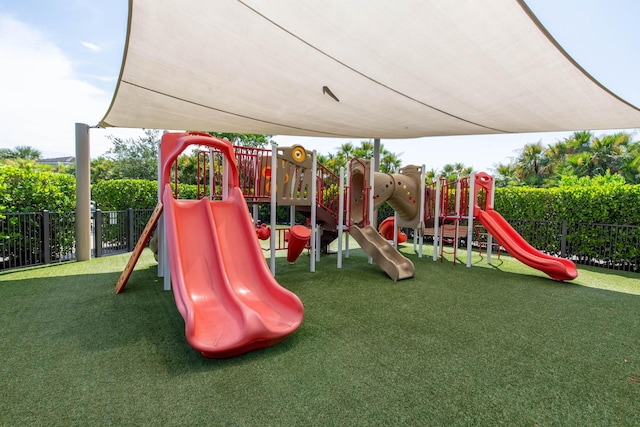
[(37, 238)]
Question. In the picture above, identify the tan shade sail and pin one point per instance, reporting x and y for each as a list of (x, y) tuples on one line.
[(356, 68)]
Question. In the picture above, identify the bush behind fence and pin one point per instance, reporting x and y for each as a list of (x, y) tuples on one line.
[(28, 239)]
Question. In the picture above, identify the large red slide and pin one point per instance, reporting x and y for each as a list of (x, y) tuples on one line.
[(557, 268), (223, 288)]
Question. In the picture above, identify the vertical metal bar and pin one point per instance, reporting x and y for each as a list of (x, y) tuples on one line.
[(130, 235), (272, 242), (160, 231), (489, 204), (340, 216), (212, 189), (45, 232), (470, 207), (225, 177), (97, 233), (423, 200), (436, 222), (314, 206), (563, 239), (372, 221)]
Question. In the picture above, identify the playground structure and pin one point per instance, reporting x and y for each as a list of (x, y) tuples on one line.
[(335, 205), (283, 176), (368, 190), (224, 290), (452, 215)]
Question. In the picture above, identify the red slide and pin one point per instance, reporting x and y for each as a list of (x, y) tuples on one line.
[(223, 288), (501, 230)]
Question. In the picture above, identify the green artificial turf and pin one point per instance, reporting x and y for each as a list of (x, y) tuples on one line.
[(490, 345)]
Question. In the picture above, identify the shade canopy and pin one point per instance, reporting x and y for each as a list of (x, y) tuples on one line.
[(356, 68)]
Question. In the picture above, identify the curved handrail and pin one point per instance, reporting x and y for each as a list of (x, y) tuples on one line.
[(175, 143)]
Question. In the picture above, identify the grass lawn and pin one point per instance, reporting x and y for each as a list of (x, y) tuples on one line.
[(490, 345)]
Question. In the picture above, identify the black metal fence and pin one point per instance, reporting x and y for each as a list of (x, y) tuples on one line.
[(118, 231), (610, 246), (36, 238), (28, 239)]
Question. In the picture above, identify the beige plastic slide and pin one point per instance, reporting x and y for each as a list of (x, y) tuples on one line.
[(396, 265)]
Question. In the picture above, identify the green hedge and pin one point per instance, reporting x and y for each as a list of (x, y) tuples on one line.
[(24, 189), (580, 206), (603, 204), (121, 194)]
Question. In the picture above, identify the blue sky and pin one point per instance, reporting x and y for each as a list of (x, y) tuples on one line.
[(61, 59)]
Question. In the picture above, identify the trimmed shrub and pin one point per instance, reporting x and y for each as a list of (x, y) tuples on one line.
[(613, 203), (23, 189), (121, 194)]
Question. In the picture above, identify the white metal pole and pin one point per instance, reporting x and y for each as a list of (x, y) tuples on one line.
[(422, 201), (292, 215), (166, 267), (349, 194), (314, 205), (160, 227), (272, 220), (489, 236), (212, 189), (395, 229), (436, 221), (372, 221), (225, 178), (470, 213), (458, 211), (340, 216)]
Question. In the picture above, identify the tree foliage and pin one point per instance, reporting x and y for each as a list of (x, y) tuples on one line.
[(135, 158), (245, 139), (389, 162), (20, 152), (582, 154)]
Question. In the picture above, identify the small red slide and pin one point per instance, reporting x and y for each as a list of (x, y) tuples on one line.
[(557, 268), (223, 288)]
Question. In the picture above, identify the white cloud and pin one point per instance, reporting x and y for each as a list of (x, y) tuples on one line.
[(43, 96), (91, 46)]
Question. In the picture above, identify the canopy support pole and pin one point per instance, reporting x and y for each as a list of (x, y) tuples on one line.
[(83, 193)]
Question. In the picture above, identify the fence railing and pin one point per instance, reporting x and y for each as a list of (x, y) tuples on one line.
[(35, 238), (610, 246)]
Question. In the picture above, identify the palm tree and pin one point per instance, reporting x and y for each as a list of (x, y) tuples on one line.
[(389, 162), (579, 142), (579, 163), (607, 152), (529, 163), (449, 172), (430, 175), (21, 152), (630, 163), (506, 176)]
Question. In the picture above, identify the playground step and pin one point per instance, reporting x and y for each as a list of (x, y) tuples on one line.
[(448, 232)]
